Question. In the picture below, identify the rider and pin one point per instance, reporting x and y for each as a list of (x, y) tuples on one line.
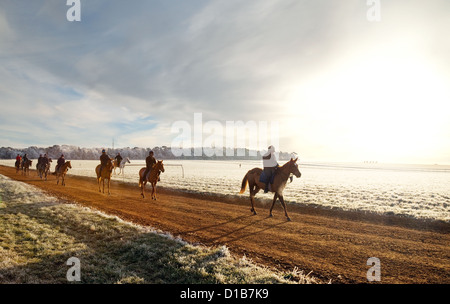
[(149, 161), (61, 161), (118, 159), (270, 164), (104, 159), (24, 159), (18, 159), (44, 161), (39, 161)]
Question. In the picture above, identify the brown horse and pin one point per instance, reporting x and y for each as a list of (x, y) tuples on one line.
[(279, 183), (25, 166), (62, 171), (105, 175), (152, 177)]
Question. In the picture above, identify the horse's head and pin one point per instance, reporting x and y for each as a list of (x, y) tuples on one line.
[(160, 165), (110, 164), (128, 160), (69, 165), (293, 167)]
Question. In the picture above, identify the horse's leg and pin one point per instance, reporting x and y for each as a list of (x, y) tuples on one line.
[(109, 184), (273, 203), (154, 191), (142, 188), (284, 207), (253, 205), (252, 195)]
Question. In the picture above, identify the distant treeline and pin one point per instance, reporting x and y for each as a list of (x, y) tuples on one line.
[(136, 153)]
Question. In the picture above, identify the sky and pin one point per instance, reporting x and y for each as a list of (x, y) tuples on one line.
[(338, 86)]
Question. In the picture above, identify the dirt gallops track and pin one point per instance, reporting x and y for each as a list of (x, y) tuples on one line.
[(333, 245)]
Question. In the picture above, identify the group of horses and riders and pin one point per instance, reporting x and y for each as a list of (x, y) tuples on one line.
[(43, 166), (272, 178), (23, 164), (150, 173)]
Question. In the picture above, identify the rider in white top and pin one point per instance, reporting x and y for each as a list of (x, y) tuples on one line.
[(269, 159), (270, 164)]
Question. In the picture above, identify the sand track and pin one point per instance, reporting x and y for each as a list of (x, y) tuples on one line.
[(334, 245)]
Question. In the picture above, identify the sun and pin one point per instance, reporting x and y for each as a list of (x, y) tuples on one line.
[(381, 106)]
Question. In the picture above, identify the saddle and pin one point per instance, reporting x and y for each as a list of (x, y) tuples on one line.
[(148, 175), (263, 178), (267, 179)]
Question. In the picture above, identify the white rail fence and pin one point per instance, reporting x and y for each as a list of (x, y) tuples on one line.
[(165, 165)]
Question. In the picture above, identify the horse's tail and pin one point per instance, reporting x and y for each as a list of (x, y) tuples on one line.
[(140, 178), (244, 184)]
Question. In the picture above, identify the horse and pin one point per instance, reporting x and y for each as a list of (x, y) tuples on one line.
[(105, 174), (43, 170), (25, 166), (122, 165), (279, 183), (62, 171), (152, 177), (17, 165)]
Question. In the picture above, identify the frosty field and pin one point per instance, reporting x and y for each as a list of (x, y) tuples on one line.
[(420, 191)]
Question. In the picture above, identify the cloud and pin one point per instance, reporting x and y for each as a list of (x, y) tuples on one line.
[(129, 70)]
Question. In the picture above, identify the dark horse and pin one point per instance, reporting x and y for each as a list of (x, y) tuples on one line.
[(25, 166), (279, 183), (43, 170)]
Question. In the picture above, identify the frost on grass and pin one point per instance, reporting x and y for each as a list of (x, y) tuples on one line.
[(38, 234)]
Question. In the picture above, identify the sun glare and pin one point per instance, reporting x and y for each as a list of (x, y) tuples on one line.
[(384, 107)]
